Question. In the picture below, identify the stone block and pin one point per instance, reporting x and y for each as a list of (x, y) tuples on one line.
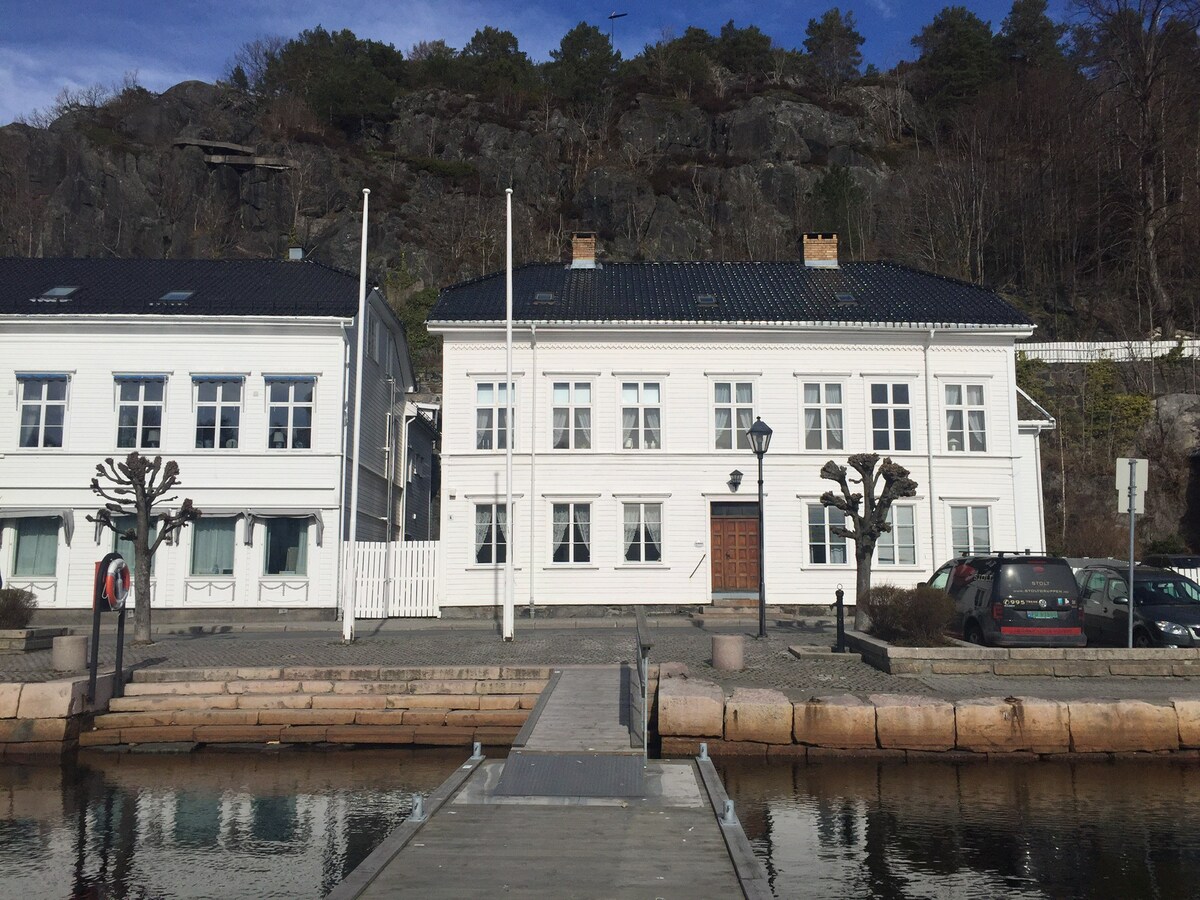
[(676, 747), (1187, 713), (306, 716), (756, 714), (1145, 669), (690, 707), (443, 687), (913, 723), (1024, 667), (331, 673), (278, 686), (136, 719), (10, 698), (495, 736), (1120, 725), (216, 717), (53, 699), (444, 737), (373, 687), (369, 734), (1186, 669), (379, 717), (303, 734), (960, 667), (155, 734), (274, 701), (909, 666), (841, 721), (470, 673), (671, 670), (237, 734), (476, 718), (107, 738), (435, 701), (510, 686), (349, 701), (499, 701), (159, 688), (316, 687), (34, 748), (1081, 668), (994, 725), (529, 701), (172, 702), (425, 716), (14, 731), (525, 673)]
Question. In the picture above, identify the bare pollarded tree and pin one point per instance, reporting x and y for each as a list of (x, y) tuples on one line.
[(133, 488)]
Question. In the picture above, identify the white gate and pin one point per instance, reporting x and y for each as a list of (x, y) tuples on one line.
[(397, 579)]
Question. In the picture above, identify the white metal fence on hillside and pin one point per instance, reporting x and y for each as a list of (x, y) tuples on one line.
[(396, 579), (1118, 351)]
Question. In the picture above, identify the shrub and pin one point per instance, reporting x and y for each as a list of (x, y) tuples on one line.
[(16, 608), (916, 616)]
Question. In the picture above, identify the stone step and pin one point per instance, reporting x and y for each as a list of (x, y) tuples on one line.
[(445, 735), (345, 673), (162, 703), (475, 718), (286, 687)]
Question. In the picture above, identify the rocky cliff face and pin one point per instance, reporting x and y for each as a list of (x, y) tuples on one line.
[(147, 175)]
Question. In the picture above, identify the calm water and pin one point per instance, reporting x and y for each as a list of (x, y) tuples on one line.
[(225, 825)]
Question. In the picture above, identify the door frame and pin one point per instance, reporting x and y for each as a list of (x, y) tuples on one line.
[(750, 513)]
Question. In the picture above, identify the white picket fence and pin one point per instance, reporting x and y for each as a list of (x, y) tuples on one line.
[(396, 579), (1118, 351)]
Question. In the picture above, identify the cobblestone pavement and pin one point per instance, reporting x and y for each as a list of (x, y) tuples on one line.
[(768, 663)]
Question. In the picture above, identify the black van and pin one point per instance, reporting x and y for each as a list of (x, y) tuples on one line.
[(1014, 600)]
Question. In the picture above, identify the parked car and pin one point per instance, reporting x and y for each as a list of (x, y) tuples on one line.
[(1014, 600), (1166, 606), (1173, 561)]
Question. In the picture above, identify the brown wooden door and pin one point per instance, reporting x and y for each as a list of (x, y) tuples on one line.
[(734, 553)]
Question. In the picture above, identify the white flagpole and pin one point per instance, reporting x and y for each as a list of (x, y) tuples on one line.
[(507, 624), (351, 589)]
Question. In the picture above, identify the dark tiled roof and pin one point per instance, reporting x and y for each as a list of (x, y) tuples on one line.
[(784, 292), (219, 287)]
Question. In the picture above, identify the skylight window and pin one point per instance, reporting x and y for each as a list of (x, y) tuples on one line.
[(541, 298), (59, 293), (176, 296), (706, 300), (846, 300)]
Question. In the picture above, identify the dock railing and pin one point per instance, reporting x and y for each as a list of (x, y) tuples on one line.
[(642, 715)]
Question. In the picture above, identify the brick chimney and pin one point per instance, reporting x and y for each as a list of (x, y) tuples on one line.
[(820, 251), (583, 250)]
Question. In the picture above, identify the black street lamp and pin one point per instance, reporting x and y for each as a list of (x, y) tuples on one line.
[(760, 440)]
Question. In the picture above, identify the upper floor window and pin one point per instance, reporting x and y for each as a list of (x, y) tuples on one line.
[(970, 529), (643, 532), (823, 416), (966, 418), (218, 412), (825, 547), (140, 412), (898, 547), (286, 547), (572, 533), (43, 410), (491, 415), (641, 415), (572, 415), (491, 533), (734, 405), (891, 417), (290, 413), (36, 552)]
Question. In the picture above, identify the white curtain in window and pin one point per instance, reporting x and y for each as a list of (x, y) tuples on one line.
[(212, 546), (978, 433), (653, 530), (562, 513), (583, 429), (502, 532), (833, 427), (562, 433), (483, 429), (483, 543), (633, 548), (37, 547), (724, 429), (745, 420), (583, 532), (812, 429), (653, 429), (629, 429)]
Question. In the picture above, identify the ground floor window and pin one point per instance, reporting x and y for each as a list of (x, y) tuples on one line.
[(572, 532), (898, 547), (36, 551), (124, 545), (643, 532), (287, 547), (491, 533), (970, 529), (825, 547), (212, 546)]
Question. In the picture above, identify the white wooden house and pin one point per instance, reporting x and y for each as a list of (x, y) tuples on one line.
[(634, 384), (241, 371)]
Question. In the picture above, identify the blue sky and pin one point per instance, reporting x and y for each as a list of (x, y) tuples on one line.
[(48, 44)]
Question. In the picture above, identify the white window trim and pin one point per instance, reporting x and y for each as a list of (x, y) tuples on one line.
[(65, 404), (641, 381), (890, 406), (962, 383), (711, 405), (494, 503), (899, 566), (241, 405), (822, 380), (807, 563), (573, 500), (572, 380), (120, 378), (624, 563), (495, 381), (292, 405), (970, 504)]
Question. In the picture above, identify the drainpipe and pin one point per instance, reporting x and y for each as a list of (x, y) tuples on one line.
[(933, 545), (532, 459)]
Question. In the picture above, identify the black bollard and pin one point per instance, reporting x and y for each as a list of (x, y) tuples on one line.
[(840, 647)]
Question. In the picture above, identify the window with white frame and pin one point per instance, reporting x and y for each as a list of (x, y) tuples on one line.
[(286, 547), (572, 411), (126, 527), (966, 418), (891, 417), (898, 547), (43, 410), (36, 552), (491, 533), (491, 415), (825, 547), (140, 412), (823, 416), (641, 415), (218, 412), (290, 413), (970, 529), (733, 402), (572, 537), (642, 524), (212, 545)]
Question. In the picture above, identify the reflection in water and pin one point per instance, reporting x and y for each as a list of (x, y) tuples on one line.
[(861, 828), (199, 825)]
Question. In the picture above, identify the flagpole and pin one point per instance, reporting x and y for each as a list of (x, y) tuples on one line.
[(507, 624), (361, 322)]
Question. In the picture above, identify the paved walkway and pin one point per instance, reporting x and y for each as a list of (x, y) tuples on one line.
[(593, 642)]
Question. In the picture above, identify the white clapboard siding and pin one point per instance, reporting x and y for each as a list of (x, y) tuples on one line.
[(398, 579), (1118, 351)]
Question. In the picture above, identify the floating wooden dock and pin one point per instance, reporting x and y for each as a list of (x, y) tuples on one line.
[(576, 811)]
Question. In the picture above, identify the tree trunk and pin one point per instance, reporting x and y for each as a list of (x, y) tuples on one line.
[(141, 580), (862, 587)]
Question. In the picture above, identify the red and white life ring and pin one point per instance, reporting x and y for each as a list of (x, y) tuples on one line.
[(116, 583)]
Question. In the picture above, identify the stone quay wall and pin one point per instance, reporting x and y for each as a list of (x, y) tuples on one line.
[(762, 722)]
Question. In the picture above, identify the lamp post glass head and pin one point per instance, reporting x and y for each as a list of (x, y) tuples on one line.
[(735, 479), (760, 437)]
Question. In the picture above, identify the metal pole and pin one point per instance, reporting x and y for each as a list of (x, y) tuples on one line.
[(119, 670), (1133, 486), (507, 624), (762, 582), (352, 565), (840, 647)]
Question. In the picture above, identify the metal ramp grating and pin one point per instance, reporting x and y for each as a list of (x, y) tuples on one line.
[(571, 775)]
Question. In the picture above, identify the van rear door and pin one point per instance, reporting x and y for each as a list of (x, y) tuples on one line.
[(1039, 597)]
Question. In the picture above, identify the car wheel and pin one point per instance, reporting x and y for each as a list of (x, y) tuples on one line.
[(973, 634), (1141, 639)]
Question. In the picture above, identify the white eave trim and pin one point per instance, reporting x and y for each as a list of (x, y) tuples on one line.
[(626, 324)]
